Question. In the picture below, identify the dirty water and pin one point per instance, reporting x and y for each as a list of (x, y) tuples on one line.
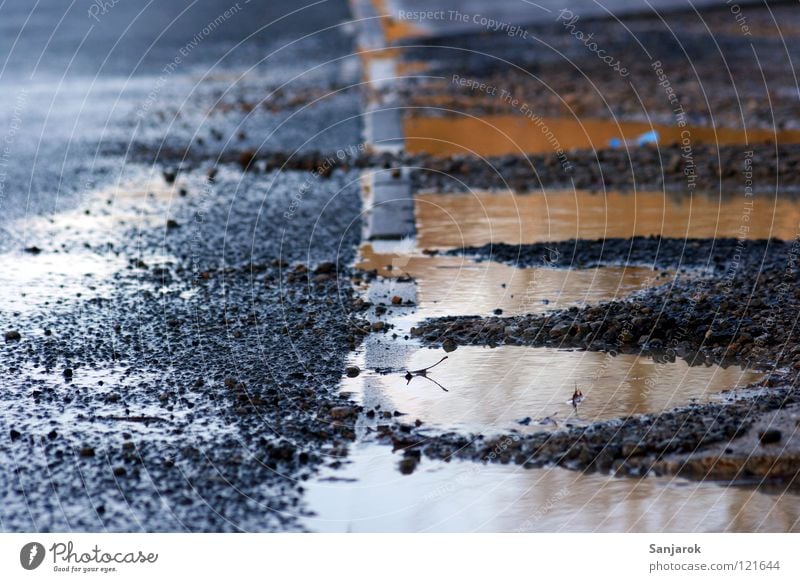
[(507, 389), (497, 135), (459, 286), (496, 389), (480, 217), (491, 390), (370, 495)]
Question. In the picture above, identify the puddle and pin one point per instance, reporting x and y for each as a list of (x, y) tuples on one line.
[(370, 495), (460, 286), (477, 218), (491, 390), (76, 257), (484, 390), (497, 135), (30, 280)]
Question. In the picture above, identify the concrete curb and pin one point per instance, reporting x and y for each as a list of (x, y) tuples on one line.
[(386, 193), (389, 204), (388, 200)]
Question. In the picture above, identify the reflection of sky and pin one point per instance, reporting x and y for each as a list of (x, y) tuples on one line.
[(463, 496), (490, 389)]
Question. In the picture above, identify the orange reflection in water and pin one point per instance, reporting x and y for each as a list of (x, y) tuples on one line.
[(459, 286), (496, 135), (476, 218)]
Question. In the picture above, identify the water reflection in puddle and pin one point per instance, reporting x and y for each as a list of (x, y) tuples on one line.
[(456, 220), (491, 390), (459, 286), (34, 280), (77, 257), (497, 135), (370, 495)]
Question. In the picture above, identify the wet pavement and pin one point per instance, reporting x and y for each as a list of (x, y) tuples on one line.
[(196, 337), (174, 333)]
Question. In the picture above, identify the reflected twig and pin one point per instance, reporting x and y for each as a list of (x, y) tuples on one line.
[(423, 373)]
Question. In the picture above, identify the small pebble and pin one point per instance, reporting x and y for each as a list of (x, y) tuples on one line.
[(769, 436)]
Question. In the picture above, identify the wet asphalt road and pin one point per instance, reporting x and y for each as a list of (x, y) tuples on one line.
[(174, 333), (174, 337)]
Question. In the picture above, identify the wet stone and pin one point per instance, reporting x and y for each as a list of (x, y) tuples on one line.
[(407, 465), (770, 436), (342, 412), (12, 336)]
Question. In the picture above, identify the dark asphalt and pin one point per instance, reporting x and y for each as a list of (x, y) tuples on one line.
[(172, 352)]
